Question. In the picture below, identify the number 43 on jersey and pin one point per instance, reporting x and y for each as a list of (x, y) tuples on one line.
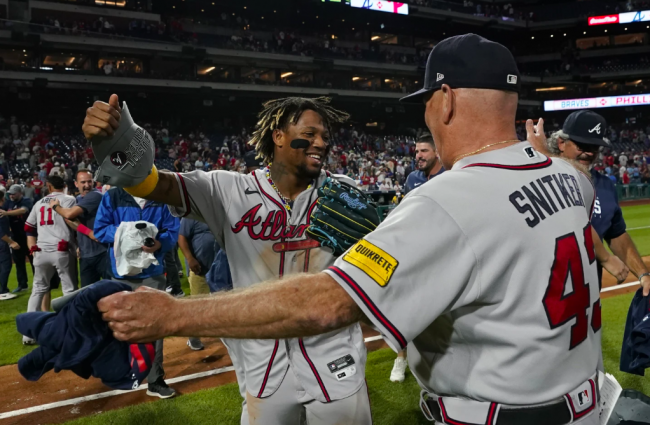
[(562, 308)]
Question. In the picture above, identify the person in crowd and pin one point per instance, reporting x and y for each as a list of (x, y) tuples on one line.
[(17, 208), (117, 206), (93, 255), (173, 273), (29, 191), (198, 246), (427, 161), (6, 246)]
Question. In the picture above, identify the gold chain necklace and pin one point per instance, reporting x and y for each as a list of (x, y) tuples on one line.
[(286, 202), (481, 149)]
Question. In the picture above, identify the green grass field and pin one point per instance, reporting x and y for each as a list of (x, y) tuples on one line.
[(391, 403), (635, 217)]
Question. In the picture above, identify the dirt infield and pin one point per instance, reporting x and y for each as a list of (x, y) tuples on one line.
[(634, 202), (180, 361), (58, 387)]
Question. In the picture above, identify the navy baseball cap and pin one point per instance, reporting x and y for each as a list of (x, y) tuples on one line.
[(468, 61), (251, 160), (586, 127)]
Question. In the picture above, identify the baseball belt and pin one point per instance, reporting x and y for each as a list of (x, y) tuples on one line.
[(552, 414), (569, 408)]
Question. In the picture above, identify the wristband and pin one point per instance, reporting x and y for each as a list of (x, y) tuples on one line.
[(642, 275), (141, 190), (83, 229)]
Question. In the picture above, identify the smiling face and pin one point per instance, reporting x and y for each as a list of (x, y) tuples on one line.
[(425, 156), (307, 162), (84, 182)]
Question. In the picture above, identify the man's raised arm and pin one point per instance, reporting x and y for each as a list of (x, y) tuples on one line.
[(125, 153)]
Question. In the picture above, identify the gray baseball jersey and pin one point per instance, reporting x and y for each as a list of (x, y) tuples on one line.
[(56, 243), (488, 273), (51, 226), (263, 241)]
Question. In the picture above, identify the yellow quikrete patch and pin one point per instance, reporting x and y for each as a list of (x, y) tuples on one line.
[(373, 261)]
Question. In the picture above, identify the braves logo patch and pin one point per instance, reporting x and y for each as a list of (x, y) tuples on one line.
[(118, 158), (352, 202)]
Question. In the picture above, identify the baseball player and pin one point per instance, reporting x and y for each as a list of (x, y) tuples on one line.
[(51, 242), (427, 161), (429, 166), (582, 134), (499, 301), (93, 255), (260, 220)]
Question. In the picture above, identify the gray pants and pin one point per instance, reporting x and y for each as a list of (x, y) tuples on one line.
[(155, 282), (291, 404), (46, 264)]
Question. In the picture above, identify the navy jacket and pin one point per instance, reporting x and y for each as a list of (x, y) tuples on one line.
[(118, 206), (607, 218), (635, 352), (417, 178), (77, 339)]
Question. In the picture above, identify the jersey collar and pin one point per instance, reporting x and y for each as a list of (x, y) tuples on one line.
[(520, 156)]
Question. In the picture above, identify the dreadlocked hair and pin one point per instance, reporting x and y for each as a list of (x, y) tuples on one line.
[(278, 113)]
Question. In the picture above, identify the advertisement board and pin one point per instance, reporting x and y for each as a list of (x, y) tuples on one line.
[(597, 102)]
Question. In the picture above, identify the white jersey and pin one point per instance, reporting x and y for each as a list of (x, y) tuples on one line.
[(488, 273), (51, 227), (263, 241)]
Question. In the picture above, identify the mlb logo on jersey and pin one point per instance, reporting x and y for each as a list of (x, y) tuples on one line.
[(583, 398), (530, 152)]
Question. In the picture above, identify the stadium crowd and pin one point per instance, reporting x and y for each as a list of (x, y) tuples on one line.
[(29, 152)]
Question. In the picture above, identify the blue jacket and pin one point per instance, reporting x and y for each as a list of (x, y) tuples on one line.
[(417, 178), (635, 352), (118, 206), (77, 339)]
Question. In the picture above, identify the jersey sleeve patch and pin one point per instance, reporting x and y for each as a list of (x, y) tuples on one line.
[(373, 261)]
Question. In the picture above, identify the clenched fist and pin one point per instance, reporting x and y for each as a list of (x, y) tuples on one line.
[(102, 119)]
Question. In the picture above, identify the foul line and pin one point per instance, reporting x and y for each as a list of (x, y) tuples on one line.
[(113, 393), (625, 285), (638, 228)]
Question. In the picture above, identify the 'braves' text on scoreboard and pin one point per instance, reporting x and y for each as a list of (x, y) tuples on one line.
[(597, 102)]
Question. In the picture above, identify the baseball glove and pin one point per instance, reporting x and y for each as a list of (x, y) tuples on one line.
[(344, 215)]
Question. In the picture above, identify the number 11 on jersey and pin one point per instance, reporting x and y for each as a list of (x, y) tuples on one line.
[(49, 221)]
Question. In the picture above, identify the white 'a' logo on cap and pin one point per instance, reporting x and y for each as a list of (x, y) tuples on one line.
[(440, 76), (512, 79), (596, 129)]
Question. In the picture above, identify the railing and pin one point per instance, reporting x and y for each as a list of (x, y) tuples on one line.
[(632, 191)]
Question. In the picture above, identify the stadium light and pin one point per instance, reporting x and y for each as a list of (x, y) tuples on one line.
[(286, 74), (550, 88)]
